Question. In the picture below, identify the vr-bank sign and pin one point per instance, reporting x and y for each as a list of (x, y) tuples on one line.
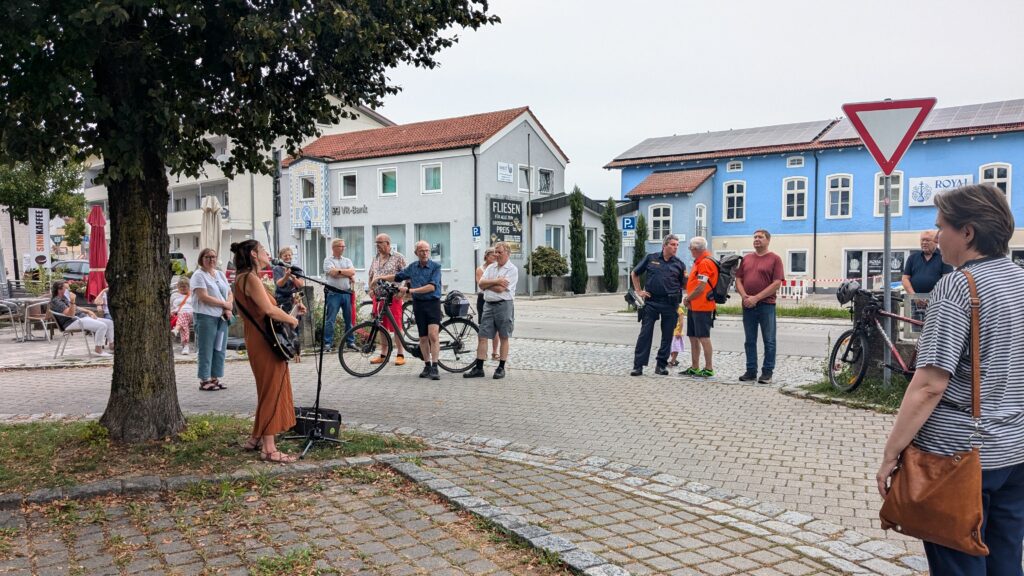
[(923, 190)]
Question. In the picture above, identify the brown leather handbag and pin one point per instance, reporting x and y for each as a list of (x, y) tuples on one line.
[(938, 498)]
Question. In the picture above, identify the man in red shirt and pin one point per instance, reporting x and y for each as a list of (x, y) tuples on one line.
[(757, 280), (700, 316)]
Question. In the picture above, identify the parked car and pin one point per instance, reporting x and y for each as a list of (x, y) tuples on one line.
[(77, 270)]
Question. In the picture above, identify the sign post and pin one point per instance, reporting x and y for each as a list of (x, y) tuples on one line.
[(887, 129)]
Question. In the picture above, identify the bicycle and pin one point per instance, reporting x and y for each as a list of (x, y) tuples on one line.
[(457, 347), (365, 310), (848, 362)]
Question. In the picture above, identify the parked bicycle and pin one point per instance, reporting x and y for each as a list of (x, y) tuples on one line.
[(458, 337), (848, 362)]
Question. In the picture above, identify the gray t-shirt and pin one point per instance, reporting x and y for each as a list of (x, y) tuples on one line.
[(339, 282), (945, 343)]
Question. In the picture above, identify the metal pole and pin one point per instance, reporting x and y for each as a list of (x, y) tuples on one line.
[(887, 278), (276, 199), (529, 219)]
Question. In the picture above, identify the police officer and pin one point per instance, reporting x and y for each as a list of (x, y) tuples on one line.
[(666, 276)]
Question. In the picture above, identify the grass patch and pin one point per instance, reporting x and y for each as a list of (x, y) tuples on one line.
[(795, 312), (51, 454), (871, 391), (7, 541), (301, 561)]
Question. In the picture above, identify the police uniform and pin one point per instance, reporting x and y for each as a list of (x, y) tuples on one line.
[(665, 281)]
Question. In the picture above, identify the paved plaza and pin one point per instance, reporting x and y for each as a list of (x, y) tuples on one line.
[(748, 441)]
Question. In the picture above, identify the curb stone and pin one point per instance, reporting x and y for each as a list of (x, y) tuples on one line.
[(576, 559), (798, 391), (846, 550)]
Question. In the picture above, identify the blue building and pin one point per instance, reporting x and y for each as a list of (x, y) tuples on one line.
[(816, 188)]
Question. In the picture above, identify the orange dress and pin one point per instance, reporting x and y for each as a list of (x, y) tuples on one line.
[(275, 409)]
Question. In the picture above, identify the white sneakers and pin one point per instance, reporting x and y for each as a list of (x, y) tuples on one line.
[(175, 330), (185, 350), (104, 353)]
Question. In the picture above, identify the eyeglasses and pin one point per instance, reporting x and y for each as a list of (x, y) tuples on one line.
[(380, 242), (208, 256)]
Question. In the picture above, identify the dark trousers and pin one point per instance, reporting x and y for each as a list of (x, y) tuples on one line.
[(1002, 498), (668, 312), (761, 316)]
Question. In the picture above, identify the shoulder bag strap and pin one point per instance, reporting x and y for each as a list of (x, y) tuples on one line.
[(975, 354)]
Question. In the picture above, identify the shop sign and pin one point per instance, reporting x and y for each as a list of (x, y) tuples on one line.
[(504, 172), (924, 190), (507, 223)]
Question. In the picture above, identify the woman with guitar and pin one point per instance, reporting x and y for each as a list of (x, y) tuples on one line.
[(275, 411)]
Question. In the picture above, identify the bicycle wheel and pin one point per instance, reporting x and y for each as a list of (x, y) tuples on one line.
[(364, 311), (412, 333), (849, 361), (458, 338), (365, 359)]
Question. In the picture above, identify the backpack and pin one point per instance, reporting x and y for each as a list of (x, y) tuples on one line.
[(726, 275)]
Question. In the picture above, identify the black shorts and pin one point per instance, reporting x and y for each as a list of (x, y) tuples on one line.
[(698, 324), (427, 312)]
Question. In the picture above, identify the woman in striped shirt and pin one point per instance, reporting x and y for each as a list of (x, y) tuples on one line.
[(975, 225)]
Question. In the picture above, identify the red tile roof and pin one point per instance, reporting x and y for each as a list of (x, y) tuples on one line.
[(429, 136), (671, 182)]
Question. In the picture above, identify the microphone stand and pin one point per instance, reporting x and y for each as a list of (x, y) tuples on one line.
[(313, 433)]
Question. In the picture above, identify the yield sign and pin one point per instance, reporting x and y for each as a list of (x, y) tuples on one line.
[(888, 127)]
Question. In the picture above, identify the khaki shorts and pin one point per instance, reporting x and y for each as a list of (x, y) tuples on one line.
[(498, 318)]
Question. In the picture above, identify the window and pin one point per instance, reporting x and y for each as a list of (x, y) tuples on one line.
[(195, 242), (734, 166), (798, 261), (180, 204), (347, 185), (354, 249), (313, 251), (700, 220), (795, 162), (545, 181), (840, 192), (387, 182), (661, 222), (177, 243), (553, 238), (397, 234), (591, 244), (439, 237), (896, 194), (735, 201), (431, 179), (794, 199), (998, 174), (524, 178), (308, 190)]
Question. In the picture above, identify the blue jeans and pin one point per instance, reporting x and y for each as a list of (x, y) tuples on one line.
[(1002, 500), (337, 301), (211, 344), (763, 316)]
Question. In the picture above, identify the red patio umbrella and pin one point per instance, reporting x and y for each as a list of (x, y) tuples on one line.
[(97, 253)]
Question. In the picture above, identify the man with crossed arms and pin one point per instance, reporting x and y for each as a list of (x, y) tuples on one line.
[(499, 286)]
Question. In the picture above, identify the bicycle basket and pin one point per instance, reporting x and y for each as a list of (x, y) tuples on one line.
[(456, 305)]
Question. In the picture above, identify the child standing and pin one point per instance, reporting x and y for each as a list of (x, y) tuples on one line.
[(677, 337)]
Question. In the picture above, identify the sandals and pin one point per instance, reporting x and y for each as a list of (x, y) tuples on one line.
[(209, 386), (217, 383), (251, 444), (278, 457)]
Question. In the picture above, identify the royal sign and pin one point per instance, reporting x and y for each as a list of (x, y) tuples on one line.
[(923, 190)]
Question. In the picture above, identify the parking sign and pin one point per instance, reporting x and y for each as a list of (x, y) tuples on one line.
[(476, 231), (629, 222)]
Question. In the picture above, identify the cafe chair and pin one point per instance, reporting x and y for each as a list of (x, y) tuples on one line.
[(67, 334)]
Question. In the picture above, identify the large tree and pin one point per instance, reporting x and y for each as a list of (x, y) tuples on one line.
[(577, 242), (612, 240), (143, 83)]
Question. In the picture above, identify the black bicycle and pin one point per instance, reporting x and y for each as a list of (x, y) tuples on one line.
[(373, 343), (848, 362)]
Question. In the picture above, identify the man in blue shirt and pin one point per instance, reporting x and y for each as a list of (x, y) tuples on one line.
[(424, 278), (666, 278), (922, 272)]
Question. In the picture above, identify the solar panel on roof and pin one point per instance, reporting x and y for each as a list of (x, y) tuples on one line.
[(952, 118), (784, 134)]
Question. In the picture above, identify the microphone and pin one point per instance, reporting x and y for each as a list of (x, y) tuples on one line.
[(279, 262)]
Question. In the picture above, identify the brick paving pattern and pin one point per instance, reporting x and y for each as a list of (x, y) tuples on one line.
[(345, 526)]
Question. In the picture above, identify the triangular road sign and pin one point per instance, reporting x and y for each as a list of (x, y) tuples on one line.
[(888, 127)]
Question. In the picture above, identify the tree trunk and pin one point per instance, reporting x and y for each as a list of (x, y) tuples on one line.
[(143, 402)]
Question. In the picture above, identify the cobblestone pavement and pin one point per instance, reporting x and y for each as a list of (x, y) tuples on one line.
[(365, 523)]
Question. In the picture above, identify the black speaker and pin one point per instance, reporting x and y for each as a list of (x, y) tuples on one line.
[(329, 423)]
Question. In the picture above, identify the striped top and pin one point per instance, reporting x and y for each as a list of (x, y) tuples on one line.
[(945, 343)]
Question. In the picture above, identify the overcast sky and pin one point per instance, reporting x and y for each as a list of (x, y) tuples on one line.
[(603, 75)]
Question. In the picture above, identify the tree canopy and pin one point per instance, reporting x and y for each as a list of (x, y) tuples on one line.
[(612, 240), (55, 186)]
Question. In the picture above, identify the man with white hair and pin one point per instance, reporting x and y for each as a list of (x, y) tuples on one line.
[(424, 276), (701, 316)]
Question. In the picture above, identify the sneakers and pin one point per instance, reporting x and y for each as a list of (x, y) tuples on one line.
[(426, 371), (378, 360), (661, 371), (705, 373), (474, 372), (690, 372), (184, 350), (175, 330), (352, 347), (766, 377), (103, 354), (399, 360), (499, 373), (433, 372), (748, 377)]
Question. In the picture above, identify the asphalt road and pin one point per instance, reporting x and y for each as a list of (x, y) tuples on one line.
[(597, 319)]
